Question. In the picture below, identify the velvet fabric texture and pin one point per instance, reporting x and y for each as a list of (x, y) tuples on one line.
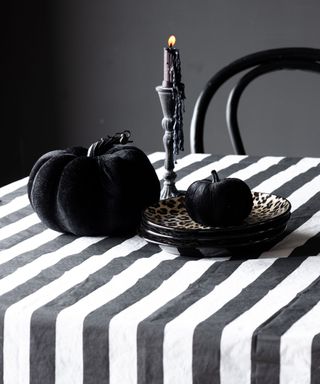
[(92, 196)]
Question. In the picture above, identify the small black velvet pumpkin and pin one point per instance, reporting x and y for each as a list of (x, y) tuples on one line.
[(218, 202), (100, 191)]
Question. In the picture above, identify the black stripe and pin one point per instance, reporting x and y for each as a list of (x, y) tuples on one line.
[(21, 236), (158, 164), (233, 168), (150, 331), (211, 159), (315, 360), (191, 168), (45, 277), (297, 182), (15, 216), (304, 213), (12, 195), (311, 247), (152, 368), (297, 217), (266, 338), (90, 367), (271, 171), (207, 335), (146, 333), (44, 368), (95, 334), (185, 171), (27, 257)]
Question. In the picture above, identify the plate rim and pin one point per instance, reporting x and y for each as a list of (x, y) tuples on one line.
[(216, 243), (217, 246), (226, 229), (217, 236)]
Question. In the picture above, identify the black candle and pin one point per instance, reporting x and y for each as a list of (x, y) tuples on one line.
[(169, 55), (172, 79)]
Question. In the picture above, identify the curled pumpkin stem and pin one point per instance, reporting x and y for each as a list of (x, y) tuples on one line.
[(104, 144)]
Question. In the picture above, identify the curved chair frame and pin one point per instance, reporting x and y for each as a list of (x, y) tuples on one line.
[(260, 63)]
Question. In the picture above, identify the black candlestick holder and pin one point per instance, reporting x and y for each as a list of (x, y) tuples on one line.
[(168, 109)]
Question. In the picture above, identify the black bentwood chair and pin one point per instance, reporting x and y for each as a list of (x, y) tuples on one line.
[(256, 64)]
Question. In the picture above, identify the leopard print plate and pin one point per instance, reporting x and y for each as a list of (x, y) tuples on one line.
[(172, 214)]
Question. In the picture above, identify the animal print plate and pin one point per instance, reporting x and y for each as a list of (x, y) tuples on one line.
[(171, 217)]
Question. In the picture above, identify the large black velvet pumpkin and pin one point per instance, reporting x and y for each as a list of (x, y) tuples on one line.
[(218, 202), (97, 192)]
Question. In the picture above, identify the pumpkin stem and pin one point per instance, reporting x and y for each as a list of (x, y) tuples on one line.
[(104, 144), (215, 177)]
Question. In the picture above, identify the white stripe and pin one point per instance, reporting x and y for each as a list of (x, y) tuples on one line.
[(303, 194), (235, 363), (28, 245), (18, 226), (184, 162), (28, 271), (285, 247), (288, 174), (205, 171), (156, 156), (14, 205), (181, 349), (261, 165), (123, 327), (205, 176), (296, 238), (178, 333), (13, 186), (297, 199), (18, 317), (69, 324), (296, 348)]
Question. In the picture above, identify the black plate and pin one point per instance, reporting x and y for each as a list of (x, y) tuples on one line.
[(237, 241), (210, 235), (216, 250), (213, 238)]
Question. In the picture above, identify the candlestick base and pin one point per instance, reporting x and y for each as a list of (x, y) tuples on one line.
[(168, 104), (168, 191)]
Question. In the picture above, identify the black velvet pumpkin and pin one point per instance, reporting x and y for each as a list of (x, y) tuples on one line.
[(218, 202), (97, 192)]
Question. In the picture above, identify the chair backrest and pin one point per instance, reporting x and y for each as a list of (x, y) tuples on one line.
[(255, 65)]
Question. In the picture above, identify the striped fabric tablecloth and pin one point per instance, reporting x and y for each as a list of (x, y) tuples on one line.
[(120, 310)]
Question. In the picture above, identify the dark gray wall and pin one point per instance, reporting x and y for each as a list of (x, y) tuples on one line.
[(84, 69)]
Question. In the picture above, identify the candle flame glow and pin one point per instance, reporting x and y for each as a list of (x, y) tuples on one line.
[(171, 41)]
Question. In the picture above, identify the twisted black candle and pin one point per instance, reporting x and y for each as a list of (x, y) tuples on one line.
[(178, 95), (172, 79)]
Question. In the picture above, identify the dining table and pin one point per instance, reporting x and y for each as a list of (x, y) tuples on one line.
[(125, 310)]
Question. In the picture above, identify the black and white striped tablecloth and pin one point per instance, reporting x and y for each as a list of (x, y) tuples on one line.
[(120, 310)]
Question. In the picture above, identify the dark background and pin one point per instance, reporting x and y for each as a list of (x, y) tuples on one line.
[(78, 70)]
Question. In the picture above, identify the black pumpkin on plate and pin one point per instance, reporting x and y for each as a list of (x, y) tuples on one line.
[(218, 202), (100, 191)]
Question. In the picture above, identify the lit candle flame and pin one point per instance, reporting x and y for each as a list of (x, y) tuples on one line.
[(171, 41)]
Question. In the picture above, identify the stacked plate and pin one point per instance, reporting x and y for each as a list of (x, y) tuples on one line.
[(168, 224)]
